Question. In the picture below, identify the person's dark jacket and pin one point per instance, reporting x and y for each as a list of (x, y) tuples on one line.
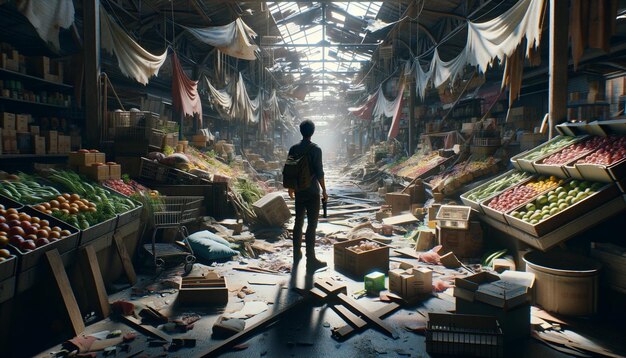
[(315, 162)]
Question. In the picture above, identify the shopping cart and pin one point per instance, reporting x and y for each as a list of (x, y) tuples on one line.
[(172, 212)]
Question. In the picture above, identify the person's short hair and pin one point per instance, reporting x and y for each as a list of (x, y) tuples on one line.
[(307, 128)]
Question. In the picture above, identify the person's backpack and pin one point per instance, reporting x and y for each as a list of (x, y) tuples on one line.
[(297, 172)]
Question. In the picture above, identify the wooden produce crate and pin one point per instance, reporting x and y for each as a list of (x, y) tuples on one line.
[(126, 217), (604, 195), (464, 335), (8, 269), (498, 215), (30, 259), (29, 278), (9, 203), (203, 290), (99, 231), (358, 265), (603, 173), (526, 165), (476, 205), (454, 217)]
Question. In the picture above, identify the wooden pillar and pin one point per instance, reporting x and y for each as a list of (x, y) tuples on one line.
[(91, 54), (557, 95), (411, 141)]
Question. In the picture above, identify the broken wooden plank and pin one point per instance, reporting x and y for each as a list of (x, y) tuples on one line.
[(349, 212), (344, 331), (149, 330), (127, 263), (408, 252), (400, 219), (349, 317), (62, 283), (256, 270), (95, 284), (243, 335)]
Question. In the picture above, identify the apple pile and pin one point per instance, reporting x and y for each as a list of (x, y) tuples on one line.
[(517, 196), (27, 232), (575, 150), (612, 153), (70, 204)]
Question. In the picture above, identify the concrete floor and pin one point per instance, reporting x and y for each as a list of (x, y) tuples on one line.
[(303, 333)]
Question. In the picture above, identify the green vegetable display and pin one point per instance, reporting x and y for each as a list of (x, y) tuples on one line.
[(495, 186), (27, 191), (558, 143)]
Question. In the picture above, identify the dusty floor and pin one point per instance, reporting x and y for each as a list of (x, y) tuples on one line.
[(305, 332)]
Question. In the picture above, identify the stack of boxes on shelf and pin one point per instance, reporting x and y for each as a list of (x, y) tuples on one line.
[(20, 137), (9, 58), (92, 163), (44, 67)]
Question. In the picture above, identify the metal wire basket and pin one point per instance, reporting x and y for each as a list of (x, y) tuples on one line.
[(172, 211)]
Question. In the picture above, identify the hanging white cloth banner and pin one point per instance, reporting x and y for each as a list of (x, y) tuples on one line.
[(221, 98), (486, 42), (233, 39), (133, 60), (238, 105), (47, 17)]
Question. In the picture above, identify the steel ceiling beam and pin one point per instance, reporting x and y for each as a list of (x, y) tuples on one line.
[(323, 45)]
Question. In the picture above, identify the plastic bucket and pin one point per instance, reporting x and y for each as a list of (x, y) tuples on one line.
[(565, 283)]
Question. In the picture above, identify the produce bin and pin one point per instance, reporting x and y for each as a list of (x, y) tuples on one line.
[(464, 335), (156, 172), (9, 203), (498, 215), (614, 126), (548, 225), (29, 259), (8, 267), (28, 278), (357, 265), (603, 173), (526, 165), (476, 205), (103, 229), (572, 171), (7, 289), (558, 170)]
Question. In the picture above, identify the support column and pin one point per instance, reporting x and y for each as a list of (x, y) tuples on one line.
[(411, 117), (91, 55), (559, 56)]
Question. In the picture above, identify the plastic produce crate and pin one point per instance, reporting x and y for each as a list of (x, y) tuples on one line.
[(476, 204), (453, 217), (520, 163), (464, 335)]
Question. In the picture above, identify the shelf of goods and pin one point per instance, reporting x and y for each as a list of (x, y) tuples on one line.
[(420, 165), (462, 173), (559, 189)]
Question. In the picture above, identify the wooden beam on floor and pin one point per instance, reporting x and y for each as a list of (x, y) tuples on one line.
[(127, 263), (94, 283), (345, 331), (249, 331), (146, 329), (62, 283)]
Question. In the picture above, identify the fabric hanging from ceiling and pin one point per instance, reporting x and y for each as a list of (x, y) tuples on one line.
[(244, 107), (396, 109), (48, 17), (592, 23), (185, 91), (134, 61), (486, 42), (220, 98), (233, 39), (366, 110)]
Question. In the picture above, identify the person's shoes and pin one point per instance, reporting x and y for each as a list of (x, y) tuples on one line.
[(315, 264)]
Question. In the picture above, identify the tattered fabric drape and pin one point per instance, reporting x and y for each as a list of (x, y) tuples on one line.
[(366, 110), (220, 98), (592, 23), (487, 41), (394, 109), (133, 60), (185, 91), (233, 39), (244, 107), (47, 17)]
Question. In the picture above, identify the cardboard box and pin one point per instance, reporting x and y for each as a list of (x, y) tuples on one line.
[(64, 144), (374, 283), (9, 141), (52, 141), (100, 157), (24, 143), (10, 60), (515, 323), (21, 122), (453, 216), (42, 66), (96, 172), (8, 120), (80, 159), (399, 202), (39, 144), (464, 243), (272, 209), (115, 171), (359, 264), (34, 130), (417, 192), (395, 281), (410, 283)]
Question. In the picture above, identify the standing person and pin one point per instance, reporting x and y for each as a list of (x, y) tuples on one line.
[(308, 199)]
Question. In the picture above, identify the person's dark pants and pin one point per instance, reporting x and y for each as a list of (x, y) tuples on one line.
[(309, 202)]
